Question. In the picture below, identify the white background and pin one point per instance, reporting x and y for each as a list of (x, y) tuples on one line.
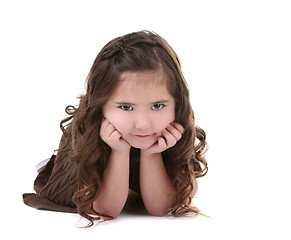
[(236, 57)]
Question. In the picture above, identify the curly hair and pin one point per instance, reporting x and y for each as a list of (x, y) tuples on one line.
[(139, 51)]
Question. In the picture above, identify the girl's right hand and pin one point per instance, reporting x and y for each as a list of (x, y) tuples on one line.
[(110, 135)]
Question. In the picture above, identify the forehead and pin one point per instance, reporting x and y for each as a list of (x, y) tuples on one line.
[(143, 78), (140, 81)]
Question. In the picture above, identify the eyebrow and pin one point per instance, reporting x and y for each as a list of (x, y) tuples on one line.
[(132, 104)]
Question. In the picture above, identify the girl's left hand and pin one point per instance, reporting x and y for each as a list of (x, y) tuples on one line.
[(170, 136)]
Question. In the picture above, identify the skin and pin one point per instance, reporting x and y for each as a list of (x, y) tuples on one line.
[(140, 113)]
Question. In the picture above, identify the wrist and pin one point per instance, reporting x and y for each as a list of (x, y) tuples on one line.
[(146, 154), (120, 154)]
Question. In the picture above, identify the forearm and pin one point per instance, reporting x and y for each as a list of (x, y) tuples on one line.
[(156, 187), (114, 188)]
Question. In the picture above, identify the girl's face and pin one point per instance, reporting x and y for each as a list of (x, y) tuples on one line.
[(140, 108)]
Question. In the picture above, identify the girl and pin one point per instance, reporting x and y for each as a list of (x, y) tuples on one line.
[(133, 129)]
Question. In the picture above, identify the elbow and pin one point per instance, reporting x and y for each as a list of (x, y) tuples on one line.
[(114, 215), (160, 208), (112, 212), (157, 211)]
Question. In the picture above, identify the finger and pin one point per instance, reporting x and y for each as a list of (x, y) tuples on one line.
[(109, 130), (174, 131), (162, 143), (178, 126), (104, 122), (115, 135), (170, 138), (106, 129), (103, 127)]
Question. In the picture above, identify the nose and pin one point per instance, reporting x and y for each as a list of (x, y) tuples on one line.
[(142, 122)]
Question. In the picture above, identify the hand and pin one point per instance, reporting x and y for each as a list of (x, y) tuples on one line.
[(110, 135), (170, 136)]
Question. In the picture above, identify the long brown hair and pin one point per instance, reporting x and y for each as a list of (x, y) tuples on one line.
[(139, 51)]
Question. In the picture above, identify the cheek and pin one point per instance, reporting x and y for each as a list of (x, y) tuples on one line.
[(163, 122), (121, 123)]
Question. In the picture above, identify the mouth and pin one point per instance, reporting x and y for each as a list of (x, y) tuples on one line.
[(143, 136)]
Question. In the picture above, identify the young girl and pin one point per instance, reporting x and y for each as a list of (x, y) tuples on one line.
[(133, 129)]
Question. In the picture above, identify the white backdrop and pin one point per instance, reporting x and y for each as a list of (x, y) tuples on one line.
[(236, 58)]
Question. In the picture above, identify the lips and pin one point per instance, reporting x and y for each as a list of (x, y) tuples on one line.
[(143, 136)]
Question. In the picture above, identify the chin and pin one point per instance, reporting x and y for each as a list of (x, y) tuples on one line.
[(142, 145)]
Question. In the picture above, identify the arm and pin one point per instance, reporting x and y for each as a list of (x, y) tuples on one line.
[(156, 187), (113, 192), (114, 189)]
